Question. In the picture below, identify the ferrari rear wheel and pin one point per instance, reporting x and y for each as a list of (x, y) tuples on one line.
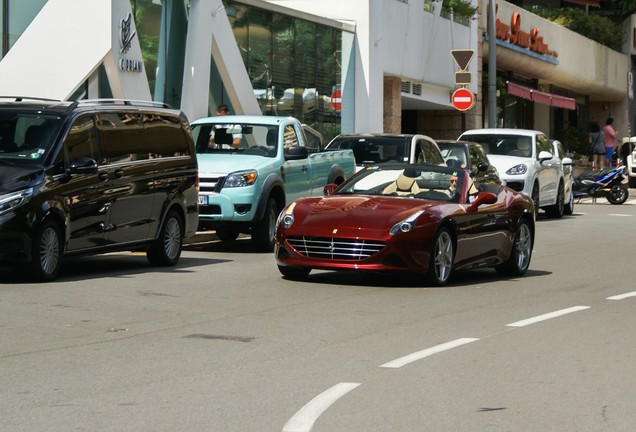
[(442, 255), (294, 272), (519, 259)]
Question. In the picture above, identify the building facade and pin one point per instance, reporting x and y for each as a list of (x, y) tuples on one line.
[(354, 66)]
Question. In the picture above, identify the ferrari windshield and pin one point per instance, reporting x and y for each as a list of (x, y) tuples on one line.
[(417, 181), (27, 137)]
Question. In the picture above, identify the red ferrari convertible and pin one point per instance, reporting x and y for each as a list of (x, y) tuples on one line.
[(410, 219)]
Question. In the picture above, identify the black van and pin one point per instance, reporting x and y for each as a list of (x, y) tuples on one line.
[(94, 176)]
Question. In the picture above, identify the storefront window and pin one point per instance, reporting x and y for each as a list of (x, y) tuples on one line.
[(293, 64), (19, 15)]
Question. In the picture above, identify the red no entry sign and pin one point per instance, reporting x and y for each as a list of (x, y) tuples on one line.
[(462, 99), (336, 100)]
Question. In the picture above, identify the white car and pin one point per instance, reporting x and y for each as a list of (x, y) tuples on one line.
[(526, 163), (631, 161), (568, 175)]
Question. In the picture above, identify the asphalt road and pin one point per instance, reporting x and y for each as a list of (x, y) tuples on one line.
[(223, 343)]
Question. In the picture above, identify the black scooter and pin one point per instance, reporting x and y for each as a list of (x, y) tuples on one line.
[(606, 183)]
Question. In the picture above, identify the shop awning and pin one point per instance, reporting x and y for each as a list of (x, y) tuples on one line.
[(541, 97), (595, 3)]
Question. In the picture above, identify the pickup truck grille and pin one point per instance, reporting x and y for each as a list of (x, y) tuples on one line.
[(210, 183), (335, 248)]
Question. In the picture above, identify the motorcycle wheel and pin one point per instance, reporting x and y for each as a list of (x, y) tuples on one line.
[(618, 194)]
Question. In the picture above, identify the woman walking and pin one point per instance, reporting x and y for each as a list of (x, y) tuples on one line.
[(597, 146)]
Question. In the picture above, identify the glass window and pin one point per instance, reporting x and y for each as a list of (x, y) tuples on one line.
[(81, 140), (121, 137), (21, 13), (165, 135)]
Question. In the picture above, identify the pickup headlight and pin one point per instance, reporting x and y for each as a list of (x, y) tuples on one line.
[(406, 225), (518, 170), (286, 217), (13, 200), (240, 179)]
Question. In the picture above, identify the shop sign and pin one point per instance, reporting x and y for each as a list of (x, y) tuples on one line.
[(516, 36), (126, 37)]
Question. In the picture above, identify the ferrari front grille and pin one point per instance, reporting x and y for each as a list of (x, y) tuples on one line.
[(335, 248)]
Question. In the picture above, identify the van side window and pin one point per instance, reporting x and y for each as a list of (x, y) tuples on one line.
[(166, 136), (81, 140), (121, 137)]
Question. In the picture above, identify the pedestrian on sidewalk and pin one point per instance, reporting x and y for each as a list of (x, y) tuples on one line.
[(597, 146), (610, 136)]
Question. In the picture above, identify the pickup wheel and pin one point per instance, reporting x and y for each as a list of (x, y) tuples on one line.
[(264, 230)]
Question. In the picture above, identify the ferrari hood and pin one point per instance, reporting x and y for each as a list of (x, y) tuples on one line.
[(357, 212)]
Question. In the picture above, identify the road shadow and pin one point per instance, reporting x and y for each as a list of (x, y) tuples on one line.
[(116, 265), (385, 280)]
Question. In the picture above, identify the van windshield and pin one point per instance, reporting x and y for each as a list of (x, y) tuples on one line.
[(27, 137)]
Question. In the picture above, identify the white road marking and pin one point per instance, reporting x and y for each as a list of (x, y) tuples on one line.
[(547, 316), (305, 418), (398, 363), (622, 296), (620, 214)]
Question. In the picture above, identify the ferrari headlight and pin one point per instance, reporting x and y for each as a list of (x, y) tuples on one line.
[(240, 179), (12, 200), (405, 225), (518, 170), (286, 217)]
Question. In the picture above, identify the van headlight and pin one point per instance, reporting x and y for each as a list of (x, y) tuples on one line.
[(405, 225), (240, 179), (13, 200), (518, 170)]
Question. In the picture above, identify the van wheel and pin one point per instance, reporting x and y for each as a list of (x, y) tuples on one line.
[(166, 249), (264, 230), (569, 207), (46, 254)]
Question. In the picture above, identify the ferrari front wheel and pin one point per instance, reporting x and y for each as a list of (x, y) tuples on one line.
[(519, 259), (441, 261)]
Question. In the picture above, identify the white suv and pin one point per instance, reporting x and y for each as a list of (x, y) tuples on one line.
[(526, 163)]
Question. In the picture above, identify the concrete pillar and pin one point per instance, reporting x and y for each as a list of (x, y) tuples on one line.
[(392, 105)]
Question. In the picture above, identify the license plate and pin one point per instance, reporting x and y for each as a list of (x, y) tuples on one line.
[(203, 199)]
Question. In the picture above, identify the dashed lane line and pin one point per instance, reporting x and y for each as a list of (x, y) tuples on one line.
[(547, 316), (402, 361), (305, 418), (622, 296)]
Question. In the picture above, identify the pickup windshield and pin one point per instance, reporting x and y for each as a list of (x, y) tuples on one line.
[(252, 139)]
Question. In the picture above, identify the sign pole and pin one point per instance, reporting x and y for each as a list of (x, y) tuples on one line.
[(492, 66)]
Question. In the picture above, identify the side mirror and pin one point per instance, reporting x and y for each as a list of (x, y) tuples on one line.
[(482, 198), (545, 155), (567, 161), (296, 153), (82, 165), (329, 189)]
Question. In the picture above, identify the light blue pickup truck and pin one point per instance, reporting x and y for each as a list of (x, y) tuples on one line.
[(250, 167)]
